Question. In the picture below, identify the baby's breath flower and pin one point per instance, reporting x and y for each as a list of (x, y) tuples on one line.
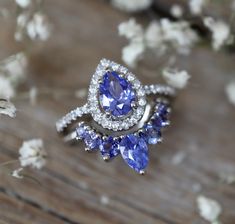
[(177, 11), (220, 32), (132, 53), (6, 89), (196, 6), (23, 3), (179, 35), (32, 153), (131, 30), (134, 32), (159, 36), (209, 209), (175, 78), (15, 67), (154, 38), (230, 91), (21, 22), (17, 173), (7, 108), (38, 28), (131, 5), (12, 72)]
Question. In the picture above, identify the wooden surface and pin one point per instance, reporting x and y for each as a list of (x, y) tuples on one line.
[(75, 183)]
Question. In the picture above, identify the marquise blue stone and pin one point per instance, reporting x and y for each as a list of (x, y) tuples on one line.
[(91, 140), (109, 147), (116, 94), (158, 122), (162, 110), (134, 151), (81, 132), (160, 117), (151, 135)]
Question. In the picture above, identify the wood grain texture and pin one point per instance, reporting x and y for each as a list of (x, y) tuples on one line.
[(74, 182)]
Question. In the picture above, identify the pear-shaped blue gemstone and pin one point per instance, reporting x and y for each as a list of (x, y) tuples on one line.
[(116, 94), (134, 151)]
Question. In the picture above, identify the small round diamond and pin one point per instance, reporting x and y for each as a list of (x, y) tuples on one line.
[(142, 102)]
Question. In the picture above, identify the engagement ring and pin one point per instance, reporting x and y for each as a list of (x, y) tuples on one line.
[(121, 116)]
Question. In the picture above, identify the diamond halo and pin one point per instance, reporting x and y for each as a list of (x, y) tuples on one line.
[(104, 119)]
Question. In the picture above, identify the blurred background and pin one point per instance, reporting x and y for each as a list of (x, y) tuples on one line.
[(49, 51)]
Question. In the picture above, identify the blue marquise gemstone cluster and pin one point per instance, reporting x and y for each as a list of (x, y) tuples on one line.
[(132, 147), (116, 94)]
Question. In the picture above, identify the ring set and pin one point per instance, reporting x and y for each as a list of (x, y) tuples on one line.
[(121, 116)]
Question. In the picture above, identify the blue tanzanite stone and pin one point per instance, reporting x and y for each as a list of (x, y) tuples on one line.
[(91, 140), (116, 94), (158, 122), (109, 147), (134, 151), (151, 135), (160, 118), (81, 131), (162, 110)]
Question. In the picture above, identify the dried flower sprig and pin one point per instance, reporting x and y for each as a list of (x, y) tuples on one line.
[(32, 153), (159, 36), (12, 73), (175, 78), (164, 34), (7, 108), (35, 27), (18, 173), (221, 33), (31, 23), (209, 209)]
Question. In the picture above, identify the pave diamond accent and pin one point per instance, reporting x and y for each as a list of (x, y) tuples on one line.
[(71, 116), (160, 90)]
